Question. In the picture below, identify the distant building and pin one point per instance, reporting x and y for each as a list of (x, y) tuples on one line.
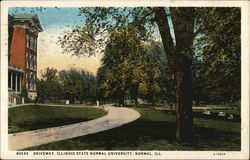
[(22, 69)]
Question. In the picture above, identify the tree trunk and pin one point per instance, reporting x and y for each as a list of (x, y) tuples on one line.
[(81, 100), (121, 99), (121, 102), (136, 101), (179, 58), (134, 94), (184, 115), (153, 102)]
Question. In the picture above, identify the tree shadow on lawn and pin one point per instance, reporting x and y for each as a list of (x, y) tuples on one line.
[(46, 123), (137, 134), (148, 135)]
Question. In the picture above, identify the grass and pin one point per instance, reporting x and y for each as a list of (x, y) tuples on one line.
[(26, 118), (155, 130), (215, 111), (73, 104)]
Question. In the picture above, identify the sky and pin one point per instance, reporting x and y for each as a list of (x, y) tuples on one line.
[(54, 22), (49, 54)]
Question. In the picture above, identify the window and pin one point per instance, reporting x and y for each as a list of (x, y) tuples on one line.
[(35, 84), (35, 45), (14, 82), (34, 81), (30, 62), (9, 79), (27, 81), (18, 82), (31, 43), (27, 41), (27, 60), (34, 62), (30, 81)]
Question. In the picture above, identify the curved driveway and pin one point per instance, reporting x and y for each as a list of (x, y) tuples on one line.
[(116, 116)]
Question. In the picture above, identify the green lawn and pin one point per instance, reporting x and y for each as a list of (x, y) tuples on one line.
[(155, 130), (26, 118)]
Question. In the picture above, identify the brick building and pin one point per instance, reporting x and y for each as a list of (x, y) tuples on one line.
[(22, 69)]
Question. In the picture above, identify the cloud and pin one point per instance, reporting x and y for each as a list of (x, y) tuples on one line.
[(50, 54)]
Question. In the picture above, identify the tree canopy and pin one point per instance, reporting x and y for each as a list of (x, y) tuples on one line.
[(131, 68), (72, 84), (200, 45)]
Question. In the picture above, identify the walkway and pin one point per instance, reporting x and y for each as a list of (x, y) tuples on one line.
[(116, 116)]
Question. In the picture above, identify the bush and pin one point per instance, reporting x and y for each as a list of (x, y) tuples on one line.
[(89, 103)]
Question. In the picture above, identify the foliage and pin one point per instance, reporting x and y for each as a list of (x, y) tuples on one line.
[(48, 88), (156, 82), (132, 68), (70, 84), (178, 28), (80, 40), (92, 37), (24, 92), (77, 84), (217, 65), (121, 65)]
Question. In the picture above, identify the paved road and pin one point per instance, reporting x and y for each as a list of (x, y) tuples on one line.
[(116, 116)]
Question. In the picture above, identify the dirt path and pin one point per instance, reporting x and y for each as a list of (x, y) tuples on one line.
[(116, 116)]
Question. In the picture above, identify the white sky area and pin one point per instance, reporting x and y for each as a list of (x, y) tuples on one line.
[(50, 55)]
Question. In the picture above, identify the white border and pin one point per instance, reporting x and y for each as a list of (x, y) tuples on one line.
[(245, 10)]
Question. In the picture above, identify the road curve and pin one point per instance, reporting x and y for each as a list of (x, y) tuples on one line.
[(116, 117)]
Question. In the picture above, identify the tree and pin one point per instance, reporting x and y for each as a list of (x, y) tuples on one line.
[(90, 86), (48, 87), (24, 93), (155, 69), (121, 68), (77, 84), (177, 27), (70, 84), (222, 72), (180, 58), (216, 65), (131, 68), (179, 55)]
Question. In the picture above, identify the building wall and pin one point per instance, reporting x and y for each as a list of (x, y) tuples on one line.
[(17, 49), (21, 55)]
